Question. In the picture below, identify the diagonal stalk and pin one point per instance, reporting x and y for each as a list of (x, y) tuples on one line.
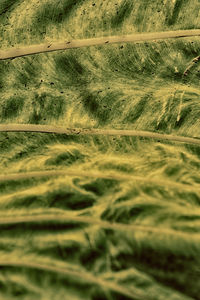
[(85, 276), (66, 218), (75, 173), (138, 37), (94, 131)]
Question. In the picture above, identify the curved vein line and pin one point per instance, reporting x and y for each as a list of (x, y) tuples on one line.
[(87, 277), (52, 173), (94, 131), (138, 37), (191, 65), (65, 218)]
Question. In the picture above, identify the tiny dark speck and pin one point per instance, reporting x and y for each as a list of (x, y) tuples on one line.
[(106, 42)]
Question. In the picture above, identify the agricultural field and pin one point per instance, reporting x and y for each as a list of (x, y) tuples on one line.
[(100, 150)]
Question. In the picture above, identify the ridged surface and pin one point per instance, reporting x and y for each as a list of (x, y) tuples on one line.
[(100, 216)]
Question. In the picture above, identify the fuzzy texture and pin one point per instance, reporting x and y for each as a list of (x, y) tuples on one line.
[(124, 223)]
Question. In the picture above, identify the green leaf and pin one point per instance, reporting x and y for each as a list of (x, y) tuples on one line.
[(99, 149)]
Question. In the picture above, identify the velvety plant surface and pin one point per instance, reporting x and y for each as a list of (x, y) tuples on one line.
[(125, 222)]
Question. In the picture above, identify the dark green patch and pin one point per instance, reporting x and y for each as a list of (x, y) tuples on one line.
[(70, 69), (46, 106), (167, 71), (12, 107), (27, 72), (194, 149), (171, 20), (71, 250), (67, 199), (54, 12), (185, 115), (30, 201), (100, 186), (123, 12), (126, 214), (172, 170), (4, 69), (189, 49), (139, 19), (66, 158), (6, 7), (138, 109), (92, 105)]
